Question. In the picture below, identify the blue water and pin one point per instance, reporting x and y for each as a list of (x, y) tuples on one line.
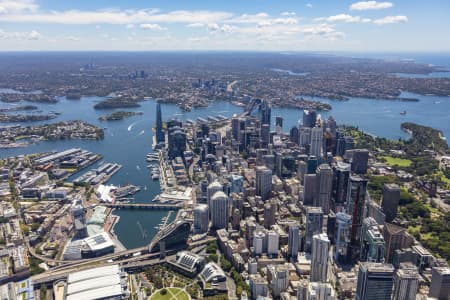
[(381, 117)]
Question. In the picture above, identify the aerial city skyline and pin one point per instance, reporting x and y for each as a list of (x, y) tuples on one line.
[(224, 150)]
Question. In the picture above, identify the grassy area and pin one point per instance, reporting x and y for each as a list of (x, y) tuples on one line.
[(393, 161), (180, 294), (441, 177)]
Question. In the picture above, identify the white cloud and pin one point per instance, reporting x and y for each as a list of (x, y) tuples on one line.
[(31, 35), (130, 26), (309, 5), (370, 5), (344, 18), (195, 25), (288, 13), (213, 27), (71, 38), (391, 20), (155, 27), (17, 6), (116, 16), (248, 19)]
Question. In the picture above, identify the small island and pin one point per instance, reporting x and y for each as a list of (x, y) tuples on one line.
[(120, 102), (19, 108), (5, 118), (119, 115)]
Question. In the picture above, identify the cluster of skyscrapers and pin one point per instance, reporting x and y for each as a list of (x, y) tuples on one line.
[(277, 199)]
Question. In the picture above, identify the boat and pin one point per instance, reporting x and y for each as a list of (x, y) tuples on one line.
[(403, 113), (155, 177), (151, 159)]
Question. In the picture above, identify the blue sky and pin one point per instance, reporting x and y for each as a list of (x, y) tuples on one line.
[(263, 25)]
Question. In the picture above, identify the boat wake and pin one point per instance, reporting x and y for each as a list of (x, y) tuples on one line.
[(142, 132)]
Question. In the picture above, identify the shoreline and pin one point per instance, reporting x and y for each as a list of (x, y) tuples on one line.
[(109, 227)]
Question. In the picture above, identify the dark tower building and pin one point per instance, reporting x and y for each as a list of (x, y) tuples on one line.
[(391, 198), (294, 135), (356, 194), (309, 118), (265, 112), (360, 159), (340, 184), (159, 126)]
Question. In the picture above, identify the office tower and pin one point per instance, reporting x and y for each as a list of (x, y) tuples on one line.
[(294, 135), (395, 237), (177, 142), (316, 142), (355, 207), (219, 210), (263, 182), (360, 159), (349, 143), (201, 218), (340, 146), (265, 135), (406, 282), (293, 241), (213, 188), (343, 232), (375, 211), (258, 242), (324, 184), (332, 125), (252, 266), (279, 124), (440, 283), (391, 197), (320, 291), (235, 128), (301, 171), (159, 125), (279, 275), (375, 281), (312, 164), (273, 243), (372, 242), (319, 258), (265, 112), (79, 219), (309, 118), (236, 219), (237, 183), (340, 184), (302, 289), (270, 209), (304, 136), (314, 224), (310, 189), (203, 196), (258, 286), (331, 227)]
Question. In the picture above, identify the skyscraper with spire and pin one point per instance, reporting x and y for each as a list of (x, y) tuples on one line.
[(159, 125)]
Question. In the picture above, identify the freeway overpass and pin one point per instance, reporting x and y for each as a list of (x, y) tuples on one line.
[(124, 258)]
